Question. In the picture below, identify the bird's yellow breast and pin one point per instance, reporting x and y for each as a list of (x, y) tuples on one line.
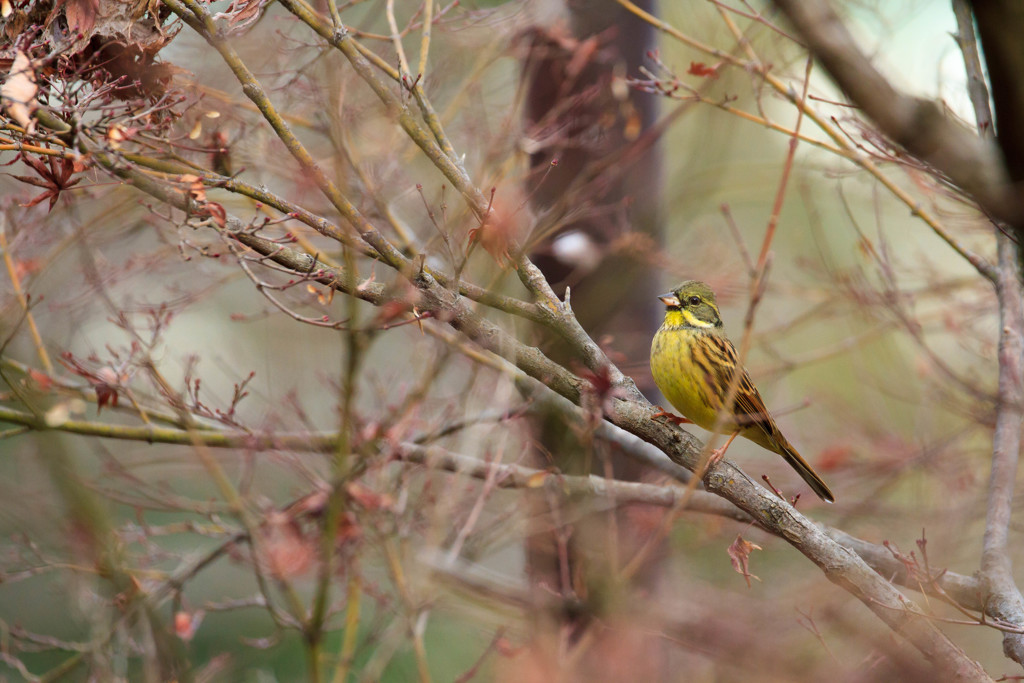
[(682, 380)]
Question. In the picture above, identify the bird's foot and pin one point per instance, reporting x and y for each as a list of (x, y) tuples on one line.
[(715, 455), (675, 419)]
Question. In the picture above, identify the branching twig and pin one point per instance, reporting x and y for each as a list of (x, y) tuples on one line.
[(918, 125)]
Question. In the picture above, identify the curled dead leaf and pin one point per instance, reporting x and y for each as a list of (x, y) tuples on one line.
[(241, 14), (195, 185), (106, 385), (217, 213), (117, 134), (739, 554)]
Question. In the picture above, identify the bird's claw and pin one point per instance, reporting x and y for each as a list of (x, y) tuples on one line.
[(715, 455), (675, 419)]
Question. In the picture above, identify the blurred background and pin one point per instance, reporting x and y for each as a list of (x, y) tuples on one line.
[(874, 345)]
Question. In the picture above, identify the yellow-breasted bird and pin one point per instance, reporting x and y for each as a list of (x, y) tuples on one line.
[(693, 364)]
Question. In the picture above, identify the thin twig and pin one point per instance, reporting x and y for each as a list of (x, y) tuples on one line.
[(23, 301)]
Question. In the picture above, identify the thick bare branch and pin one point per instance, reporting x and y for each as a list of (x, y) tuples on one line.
[(1003, 599), (1000, 23), (840, 565), (509, 475), (918, 125), (966, 591)]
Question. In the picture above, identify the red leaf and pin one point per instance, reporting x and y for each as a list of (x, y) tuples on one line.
[(287, 553), (42, 380), (55, 176), (49, 194), (185, 624), (369, 499), (703, 70), (834, 457)]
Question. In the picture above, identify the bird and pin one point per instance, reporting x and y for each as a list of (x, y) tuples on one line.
[(694, 363)]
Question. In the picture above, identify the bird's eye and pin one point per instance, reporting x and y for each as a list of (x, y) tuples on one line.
[(693, 300)]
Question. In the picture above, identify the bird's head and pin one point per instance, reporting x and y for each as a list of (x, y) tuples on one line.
[(692, 304)]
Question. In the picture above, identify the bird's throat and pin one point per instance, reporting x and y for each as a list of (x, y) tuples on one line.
[(676, 318)]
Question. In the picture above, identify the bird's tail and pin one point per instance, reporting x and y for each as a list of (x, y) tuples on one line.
[(809, 475)]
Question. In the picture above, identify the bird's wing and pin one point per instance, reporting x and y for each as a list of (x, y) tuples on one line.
[(748, 407), (749, 412)]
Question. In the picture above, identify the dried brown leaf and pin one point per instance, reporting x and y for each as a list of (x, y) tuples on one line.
[(18, 93), (739, 553), (240, 14), (81, 15)]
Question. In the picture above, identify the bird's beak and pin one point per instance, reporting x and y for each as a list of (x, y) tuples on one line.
[(670, 299)]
